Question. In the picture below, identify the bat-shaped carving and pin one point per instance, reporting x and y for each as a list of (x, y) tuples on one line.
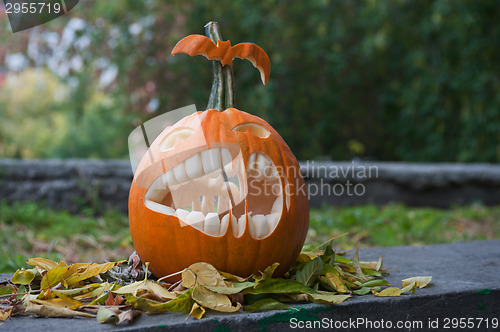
[(223, 52)]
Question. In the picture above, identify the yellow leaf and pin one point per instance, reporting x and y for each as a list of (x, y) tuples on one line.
[(197, 311), (5, 313), (327, 297), (147, 286), (231, 277), (64, 302), (305, 257), (90, 271), (53, 277), (203, 274), (23, 277), (388, 292), (44, 264), (213, 300), (421, 281)]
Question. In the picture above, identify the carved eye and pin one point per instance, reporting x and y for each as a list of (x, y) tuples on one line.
[(255, 129), (174, 137)]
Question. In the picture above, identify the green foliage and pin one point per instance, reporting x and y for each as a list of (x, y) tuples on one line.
[(390, 80), (395, 224)]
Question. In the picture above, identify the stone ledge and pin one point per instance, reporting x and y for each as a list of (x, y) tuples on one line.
[(75, 184), (461, 272)]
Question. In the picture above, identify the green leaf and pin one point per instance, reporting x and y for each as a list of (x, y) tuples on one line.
[(377, 282), (233, 289), (279, 286), (311, 270), (328, 255), (5, 290), (265, 304), (23, 277), (410, 287), (329, 298), (183, 303), (362, 291)]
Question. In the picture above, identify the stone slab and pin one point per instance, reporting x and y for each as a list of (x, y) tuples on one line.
[(465, 285)]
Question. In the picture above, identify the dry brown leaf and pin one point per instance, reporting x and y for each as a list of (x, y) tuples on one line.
[(51, 311), (64, 302), (128, 316), (44, 264)]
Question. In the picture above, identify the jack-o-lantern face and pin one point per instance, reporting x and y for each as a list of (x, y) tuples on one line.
[(218, 187)]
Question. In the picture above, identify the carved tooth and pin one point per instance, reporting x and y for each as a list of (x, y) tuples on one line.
[(227, 162), (207, 204), (169, 179), (259, 225), (212, 224), (182, 215), (159, 207), (180, 173), (195, 219), (272, 220), (263, 165), (156, 195), (239, 225), (278, 205), (211, 160), (194, 167), (225, 223)]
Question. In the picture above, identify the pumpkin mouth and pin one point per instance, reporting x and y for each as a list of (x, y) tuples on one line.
[(214, 189)]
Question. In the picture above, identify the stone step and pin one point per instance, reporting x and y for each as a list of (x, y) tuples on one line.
[(465, 285)]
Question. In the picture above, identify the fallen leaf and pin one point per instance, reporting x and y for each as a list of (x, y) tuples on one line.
[(388, 292), (279, 286), (232, 277), (202, 274), (265, 304), (213, 300), (23, 277), (114, 300), (376, 282), (328, 297), (231, 288), (182, 303), (197, 311), (5, 312), (5, 290), (421, 281), (51, 311), (44, 264), (64, 302), (106, 315), (310, 271), (411, 287), (146, 286), (128, 316), (91, 271)]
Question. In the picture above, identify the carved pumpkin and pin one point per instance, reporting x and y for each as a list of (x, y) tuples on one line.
[(219, 186)]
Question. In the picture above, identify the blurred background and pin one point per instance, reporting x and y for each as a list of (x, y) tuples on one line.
[(392, 80), (400, 80)]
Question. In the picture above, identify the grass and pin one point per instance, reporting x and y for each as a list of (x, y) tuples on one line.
[(30, 230)]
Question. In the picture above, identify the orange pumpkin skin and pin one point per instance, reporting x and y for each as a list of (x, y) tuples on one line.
[(169, 247)]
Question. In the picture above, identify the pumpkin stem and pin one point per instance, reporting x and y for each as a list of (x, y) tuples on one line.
[(222, 93)]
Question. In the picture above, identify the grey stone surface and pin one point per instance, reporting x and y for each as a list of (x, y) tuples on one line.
[(76, 184), (465, 284)]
